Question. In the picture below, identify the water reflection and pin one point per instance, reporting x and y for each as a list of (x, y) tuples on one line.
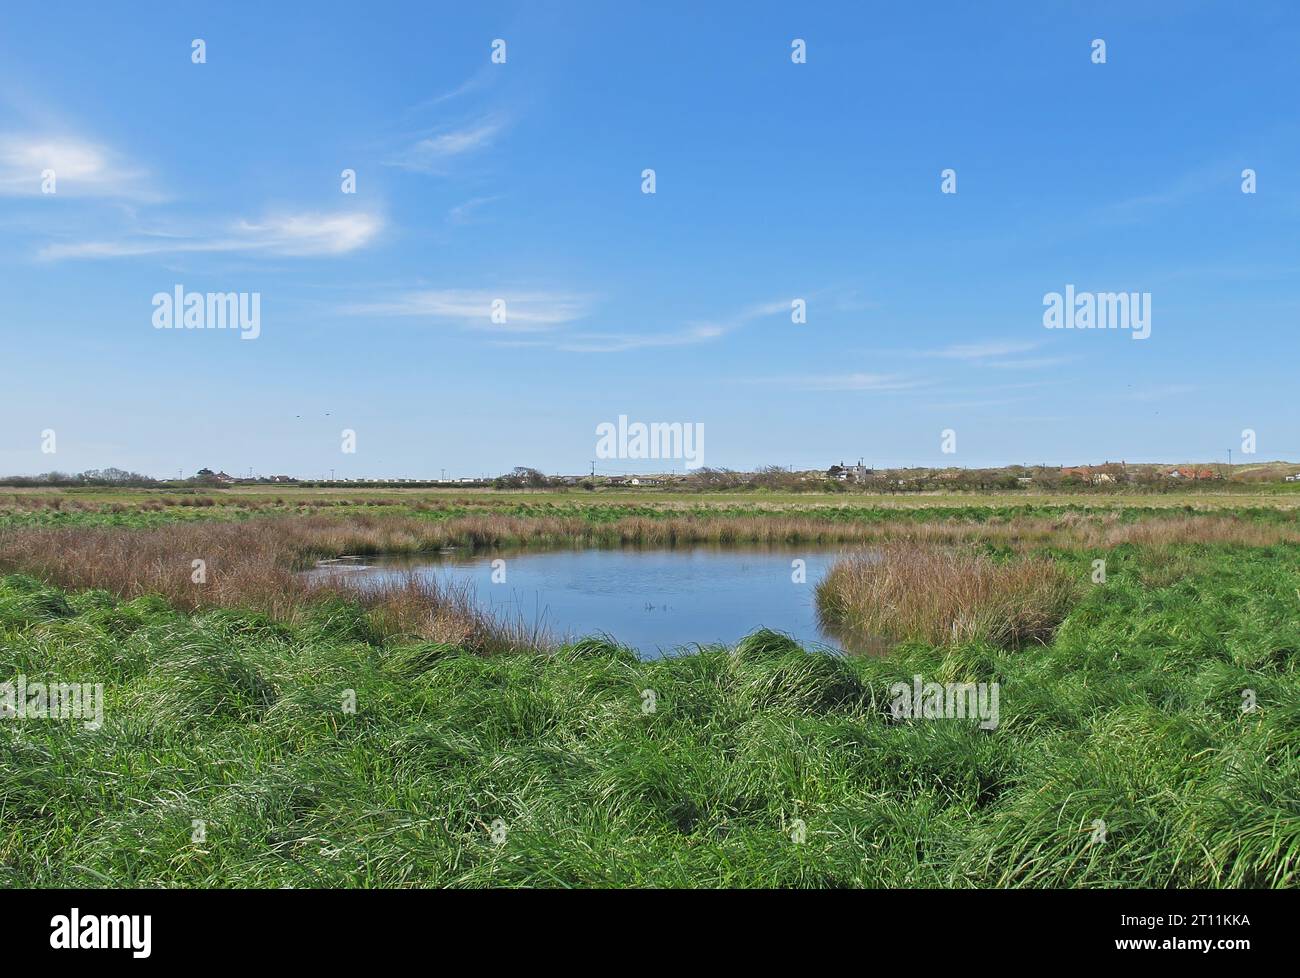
[(653, 600)]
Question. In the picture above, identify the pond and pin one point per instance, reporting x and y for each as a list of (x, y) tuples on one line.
[(652, 600)]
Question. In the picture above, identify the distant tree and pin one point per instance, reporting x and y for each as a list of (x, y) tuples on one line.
[(776, 479), (91, 477), (715, 480), (522, 477), (116, 477)]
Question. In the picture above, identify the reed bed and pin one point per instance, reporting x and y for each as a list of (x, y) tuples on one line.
[(254, 566), (254, 563), (947, 597), (303, 538), (78, 554)]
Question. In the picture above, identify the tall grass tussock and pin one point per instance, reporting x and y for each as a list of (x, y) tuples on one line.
[(946, 596)]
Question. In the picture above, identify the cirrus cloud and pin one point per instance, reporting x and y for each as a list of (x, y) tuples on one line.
[(297, 235), (81, 168), (525, 310)]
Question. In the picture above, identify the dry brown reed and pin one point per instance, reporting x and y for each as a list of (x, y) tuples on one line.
[(946, 596)]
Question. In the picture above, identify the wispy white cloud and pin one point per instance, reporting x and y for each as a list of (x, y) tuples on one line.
[(524, 310), (982, 350), (458, 141), (81, 168), (995, 354), (1028, 363), (853, 381), (313, 233), (858, 382), (475, 83), (694, 332), (622, 342), (553, 313), (300, 235), (461, 213), (433, 152), (467, 87)]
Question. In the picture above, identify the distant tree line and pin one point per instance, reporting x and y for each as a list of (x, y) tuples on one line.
[(91, 477)]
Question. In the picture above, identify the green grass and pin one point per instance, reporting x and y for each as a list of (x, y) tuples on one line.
[(1131, 716), (143, 510)]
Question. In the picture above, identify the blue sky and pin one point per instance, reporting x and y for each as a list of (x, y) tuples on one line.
[(522, 181)]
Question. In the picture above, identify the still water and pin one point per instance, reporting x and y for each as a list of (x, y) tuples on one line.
[(655, 601)]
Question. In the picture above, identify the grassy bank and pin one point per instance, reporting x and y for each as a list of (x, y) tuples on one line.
[(1122, 757)]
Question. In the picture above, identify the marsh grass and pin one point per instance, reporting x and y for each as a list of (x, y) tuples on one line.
[(1132, 715), (255, 565), (224, 702), (254, 562), (948, 596)]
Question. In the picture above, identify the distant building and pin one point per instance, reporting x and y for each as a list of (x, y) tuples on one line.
[(850, 473), (1183, 472), (1097, 475)]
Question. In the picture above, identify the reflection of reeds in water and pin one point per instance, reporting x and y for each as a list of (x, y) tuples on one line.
[(945, 596), (850, 640)]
